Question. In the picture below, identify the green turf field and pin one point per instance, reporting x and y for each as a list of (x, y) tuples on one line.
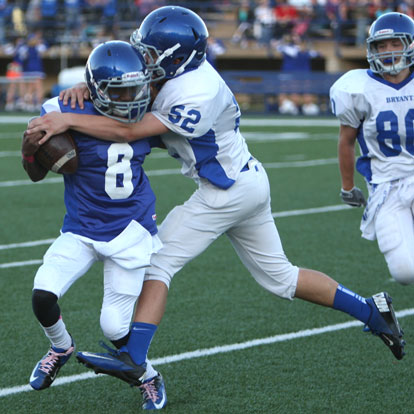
[(225, 345)]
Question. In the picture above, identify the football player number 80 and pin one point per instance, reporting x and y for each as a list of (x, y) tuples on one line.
[(387, 128), (118, 176)]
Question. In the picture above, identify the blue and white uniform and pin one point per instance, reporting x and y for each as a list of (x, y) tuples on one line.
[(110, 216), (383, 113), (233, 195)]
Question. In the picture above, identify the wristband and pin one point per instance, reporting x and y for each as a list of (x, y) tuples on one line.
[(29, 158)]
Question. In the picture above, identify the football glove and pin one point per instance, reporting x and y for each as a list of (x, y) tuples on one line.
[(353, 197)]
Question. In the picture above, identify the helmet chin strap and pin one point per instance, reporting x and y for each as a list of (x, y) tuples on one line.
[(167, 53), (181, 69)]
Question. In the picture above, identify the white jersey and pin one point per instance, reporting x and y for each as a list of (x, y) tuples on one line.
[(384, 114), (203, 116), (233, 196)]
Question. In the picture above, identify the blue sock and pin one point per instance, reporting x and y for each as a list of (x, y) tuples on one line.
[(139, 341), (353, 304)]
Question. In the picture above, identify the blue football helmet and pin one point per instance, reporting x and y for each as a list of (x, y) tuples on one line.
[(391, 26), (118, 81), (173, 40)]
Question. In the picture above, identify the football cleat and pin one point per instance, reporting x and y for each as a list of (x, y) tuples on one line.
[(384, 323), (115, 363), (153, 393), (46, 370)]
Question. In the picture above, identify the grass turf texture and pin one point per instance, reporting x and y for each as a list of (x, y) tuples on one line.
[(214, 302)]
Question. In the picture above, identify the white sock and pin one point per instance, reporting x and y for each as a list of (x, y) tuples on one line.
[(150, 372), (58, 335)]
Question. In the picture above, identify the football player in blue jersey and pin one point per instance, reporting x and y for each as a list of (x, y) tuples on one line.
[(198, 119), (375, 107), (110, 210)]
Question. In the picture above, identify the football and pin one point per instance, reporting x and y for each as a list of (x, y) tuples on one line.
[(59, 154)]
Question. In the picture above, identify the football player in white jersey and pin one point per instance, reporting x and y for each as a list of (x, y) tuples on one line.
[(376, 107), (198, 119), (110, 210)]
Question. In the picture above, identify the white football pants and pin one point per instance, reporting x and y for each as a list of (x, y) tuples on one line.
[(243, 213), (69, 258), (394, 229)]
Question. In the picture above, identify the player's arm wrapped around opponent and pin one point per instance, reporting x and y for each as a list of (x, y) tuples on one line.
[(30, 145)]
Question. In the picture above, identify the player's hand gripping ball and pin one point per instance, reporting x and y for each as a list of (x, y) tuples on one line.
[(59, 154)]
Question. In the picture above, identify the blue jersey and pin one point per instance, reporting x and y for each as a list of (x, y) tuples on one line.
[(109, 188)]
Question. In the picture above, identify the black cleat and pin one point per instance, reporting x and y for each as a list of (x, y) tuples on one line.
[(115, 363), (384, 323)]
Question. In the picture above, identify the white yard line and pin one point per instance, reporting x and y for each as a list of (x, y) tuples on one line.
[(18, 183), (20, 264), (26, 244), (316, 210), (4, 154), (300, 164), (199, 353), (264, 137)]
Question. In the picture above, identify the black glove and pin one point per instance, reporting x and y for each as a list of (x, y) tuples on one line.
[(353, 197)]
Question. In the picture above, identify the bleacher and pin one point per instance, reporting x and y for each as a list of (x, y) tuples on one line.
[(262, 87), (275, 83), (249, 71)]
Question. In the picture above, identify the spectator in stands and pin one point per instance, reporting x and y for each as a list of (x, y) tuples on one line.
[(286, 18), (109, 17), (245, 18), (33, 16), (264, 25), (288, 104), (297, 57), (4, 12), (360, 15), (302, 23), (73, 15), (33, 70), (49, 10), (339, 15), (18, 19), (319, 21), (382, 7), (14, 73), (215, 47)]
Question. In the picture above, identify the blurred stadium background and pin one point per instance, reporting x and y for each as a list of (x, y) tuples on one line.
[(276, 56), (274, 53)]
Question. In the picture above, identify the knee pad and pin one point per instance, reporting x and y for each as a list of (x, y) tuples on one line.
[(114, 324), (45, 307), (397, 252), (401, 271)]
